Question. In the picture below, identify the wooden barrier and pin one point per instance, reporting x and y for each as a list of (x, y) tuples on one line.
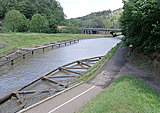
[(59, 85), (72, 78), (7, 52), (13, 55)]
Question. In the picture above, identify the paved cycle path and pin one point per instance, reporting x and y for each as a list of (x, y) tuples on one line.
[(69, 101)]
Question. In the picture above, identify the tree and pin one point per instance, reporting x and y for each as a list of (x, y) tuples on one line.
[(52, 25), (58, 15), (27, 8), (31, 7), (140, 23), (15, 21), (36, 23), (7, 5), (45, 28)]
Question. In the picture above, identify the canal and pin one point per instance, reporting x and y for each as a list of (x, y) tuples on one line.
[(21, 73)]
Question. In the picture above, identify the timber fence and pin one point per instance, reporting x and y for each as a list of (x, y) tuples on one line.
[(24, 98), (13, 54)]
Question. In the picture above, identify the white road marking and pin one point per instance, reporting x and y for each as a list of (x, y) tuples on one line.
[(71, 100)]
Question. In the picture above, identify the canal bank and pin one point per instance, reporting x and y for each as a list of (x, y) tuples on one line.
[(84, 49), (80, 94), (113, 69)]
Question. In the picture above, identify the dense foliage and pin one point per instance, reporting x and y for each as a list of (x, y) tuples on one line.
[(15, 21), (52, 25), (141, 24), (42, 15), (46, 8), (36, 24)]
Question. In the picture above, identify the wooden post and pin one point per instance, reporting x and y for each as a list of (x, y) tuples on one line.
[(24, 56), (32, 52), (11, 62), (49, 91), (78, 62), (25, 102), (43, 49)]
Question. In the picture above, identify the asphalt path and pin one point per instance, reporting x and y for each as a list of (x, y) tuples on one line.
[(110, 69), (69, 101)]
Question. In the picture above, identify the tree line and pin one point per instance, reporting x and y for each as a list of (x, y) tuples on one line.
[(45, 15), (33, 15), (140, 23)]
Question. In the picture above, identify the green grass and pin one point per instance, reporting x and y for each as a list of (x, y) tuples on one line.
[(111, 52), (30, 39), (126, 95)]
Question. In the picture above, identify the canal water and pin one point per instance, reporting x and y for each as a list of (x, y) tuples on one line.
[(25, 71)]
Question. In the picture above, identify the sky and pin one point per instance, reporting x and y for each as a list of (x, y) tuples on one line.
[(79, 8)]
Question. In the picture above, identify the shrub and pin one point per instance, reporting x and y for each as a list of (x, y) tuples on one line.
[(37, 22), (15, 21), (141, 24)]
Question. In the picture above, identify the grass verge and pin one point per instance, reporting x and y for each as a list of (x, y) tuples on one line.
[(30, 39), (127, 95), (111, 52)]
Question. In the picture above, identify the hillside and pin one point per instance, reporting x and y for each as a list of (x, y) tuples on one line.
[(102, 19), (94, 15)]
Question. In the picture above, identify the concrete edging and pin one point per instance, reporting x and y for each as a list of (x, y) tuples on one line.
[(23, 110)]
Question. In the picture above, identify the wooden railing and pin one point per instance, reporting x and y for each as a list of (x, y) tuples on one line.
[(7, 52)]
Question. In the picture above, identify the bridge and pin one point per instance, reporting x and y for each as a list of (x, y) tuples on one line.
[(103, 31)]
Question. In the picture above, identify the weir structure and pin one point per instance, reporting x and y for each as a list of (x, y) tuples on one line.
[(54, 81), (11, 55)]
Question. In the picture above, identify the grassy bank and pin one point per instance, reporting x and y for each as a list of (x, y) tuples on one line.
[(108, 56), (30, 39), (127, 95)]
